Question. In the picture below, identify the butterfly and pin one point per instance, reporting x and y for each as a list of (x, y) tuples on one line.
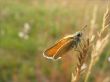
[(63, 45)]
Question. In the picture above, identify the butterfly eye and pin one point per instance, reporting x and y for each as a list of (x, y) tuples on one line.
[(79, 34)]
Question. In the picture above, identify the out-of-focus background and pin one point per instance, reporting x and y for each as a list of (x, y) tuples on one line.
[(28, 27)]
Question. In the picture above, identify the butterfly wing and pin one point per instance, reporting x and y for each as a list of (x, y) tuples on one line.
[(56, 50), (64, 48)]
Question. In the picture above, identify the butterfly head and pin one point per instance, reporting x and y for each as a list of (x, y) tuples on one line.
[(81, 32), (78, 34)]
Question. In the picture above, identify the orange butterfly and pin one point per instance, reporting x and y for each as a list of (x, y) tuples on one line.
[(63, 46)]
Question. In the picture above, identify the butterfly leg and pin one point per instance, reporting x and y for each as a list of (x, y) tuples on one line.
[(76, 46)]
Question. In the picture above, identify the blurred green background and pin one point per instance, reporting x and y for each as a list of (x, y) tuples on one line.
[(28, 27)]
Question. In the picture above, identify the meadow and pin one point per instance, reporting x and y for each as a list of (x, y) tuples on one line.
[(28, 27)]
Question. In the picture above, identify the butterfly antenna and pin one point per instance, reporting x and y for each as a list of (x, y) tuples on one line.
[(83, 28)]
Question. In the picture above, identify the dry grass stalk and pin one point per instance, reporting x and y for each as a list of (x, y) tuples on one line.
[(101, 42), (81, 60), (93, 21), (106, 22)]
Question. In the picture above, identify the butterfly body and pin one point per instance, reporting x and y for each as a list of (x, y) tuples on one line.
[(63, 45)]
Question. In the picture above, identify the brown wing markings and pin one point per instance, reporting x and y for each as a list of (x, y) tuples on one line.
[(64, 48), (54, 49)]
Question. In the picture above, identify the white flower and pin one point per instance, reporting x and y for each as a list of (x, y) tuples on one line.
[(26, 27), (25, 31), (21, 34)]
